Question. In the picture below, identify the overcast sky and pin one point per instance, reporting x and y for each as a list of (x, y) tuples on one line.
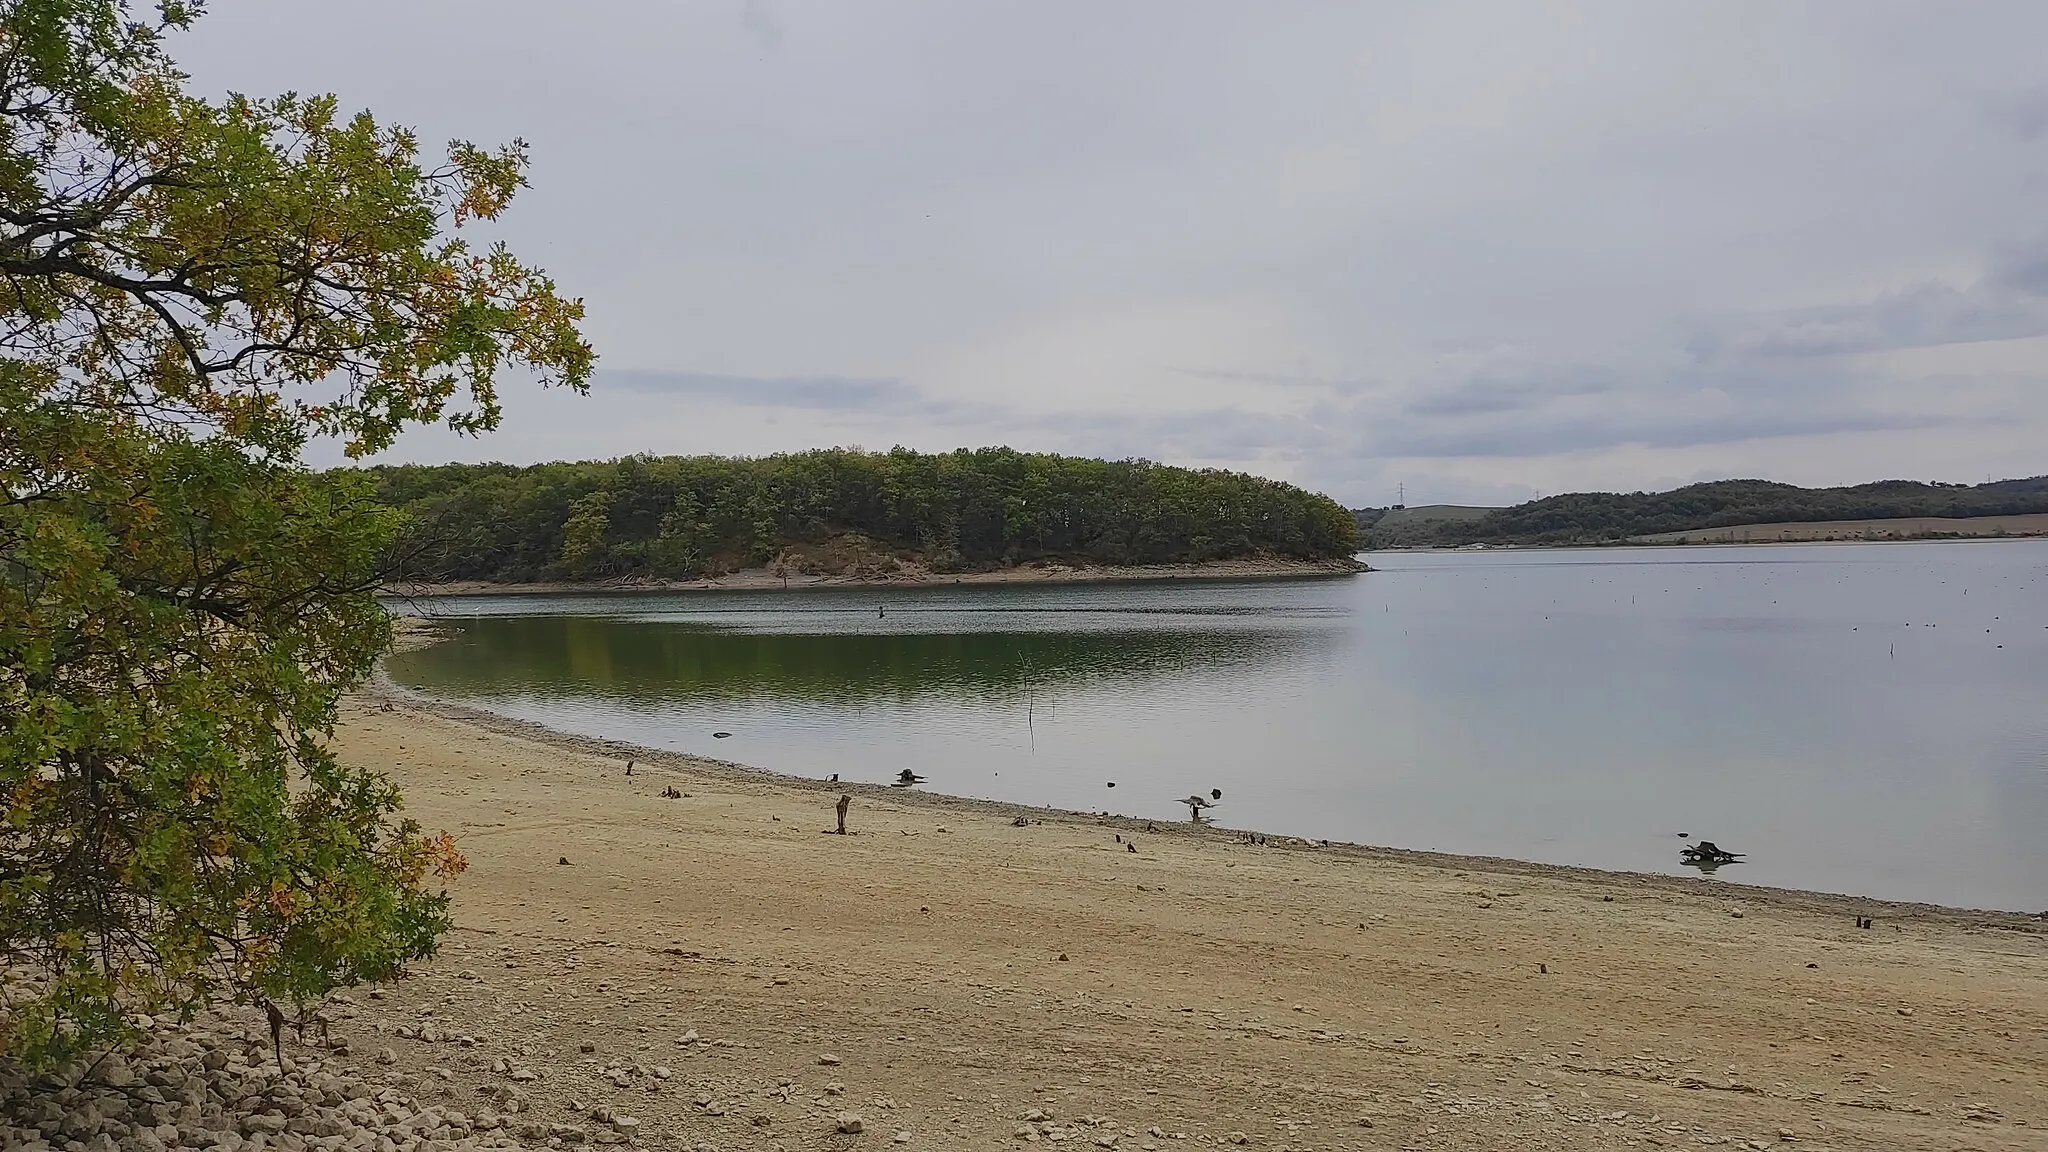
[(1485, 250)]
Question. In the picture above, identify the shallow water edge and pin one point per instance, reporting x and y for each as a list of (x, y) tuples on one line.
[(384, 691)]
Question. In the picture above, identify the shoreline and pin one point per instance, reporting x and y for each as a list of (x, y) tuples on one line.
[(1891, 530), (1699, 545), (766, 580), (384, 690), (1675, 540), (679, 958)]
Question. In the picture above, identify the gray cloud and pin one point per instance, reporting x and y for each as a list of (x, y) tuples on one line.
[(1278, 380), (2021, 269), (1544, 437), (1508, 247), (2024, 112), (850, 398), (2005, 306), (1483, 395), (818, 393), (761, 25), (1215, 435)]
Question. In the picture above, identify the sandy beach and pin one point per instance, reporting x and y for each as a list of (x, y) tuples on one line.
[(720, 968), (915, 576)]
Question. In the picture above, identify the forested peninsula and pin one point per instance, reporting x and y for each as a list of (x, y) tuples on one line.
[(1617, 517), (842, 513)]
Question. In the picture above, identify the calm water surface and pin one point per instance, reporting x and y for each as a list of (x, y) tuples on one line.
[(1857, 718)]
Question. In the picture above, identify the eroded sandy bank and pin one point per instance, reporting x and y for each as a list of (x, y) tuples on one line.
[(912, 576)]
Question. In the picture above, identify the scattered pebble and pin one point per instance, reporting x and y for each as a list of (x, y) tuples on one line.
[(213, 1084)]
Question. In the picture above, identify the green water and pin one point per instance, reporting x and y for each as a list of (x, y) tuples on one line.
[(688, 660)]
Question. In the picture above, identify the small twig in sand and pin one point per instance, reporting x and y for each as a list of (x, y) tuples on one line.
[(845, 802)]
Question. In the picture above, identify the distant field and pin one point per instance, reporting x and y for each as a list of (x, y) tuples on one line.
[(1903, 528), (1433, 512)]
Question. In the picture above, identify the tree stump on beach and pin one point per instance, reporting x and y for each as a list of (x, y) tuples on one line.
[(845, 801)]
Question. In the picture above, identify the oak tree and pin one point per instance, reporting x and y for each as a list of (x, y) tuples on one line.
[(193, 291)]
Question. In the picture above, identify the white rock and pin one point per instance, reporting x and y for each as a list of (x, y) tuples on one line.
[(850, 1124)]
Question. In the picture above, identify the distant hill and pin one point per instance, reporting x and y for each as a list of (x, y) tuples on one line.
[(1615, 517), (1429, 513), (1392, 518)]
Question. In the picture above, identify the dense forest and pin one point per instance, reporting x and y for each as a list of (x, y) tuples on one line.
[(841, 511), (1609, 517)]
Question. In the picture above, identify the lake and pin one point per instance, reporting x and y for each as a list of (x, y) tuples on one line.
[(1867, 718)]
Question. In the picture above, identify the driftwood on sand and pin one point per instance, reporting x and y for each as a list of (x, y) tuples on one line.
[(1709, 853)]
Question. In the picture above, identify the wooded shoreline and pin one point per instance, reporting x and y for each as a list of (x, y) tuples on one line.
[(838, 513), (767, 580)]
